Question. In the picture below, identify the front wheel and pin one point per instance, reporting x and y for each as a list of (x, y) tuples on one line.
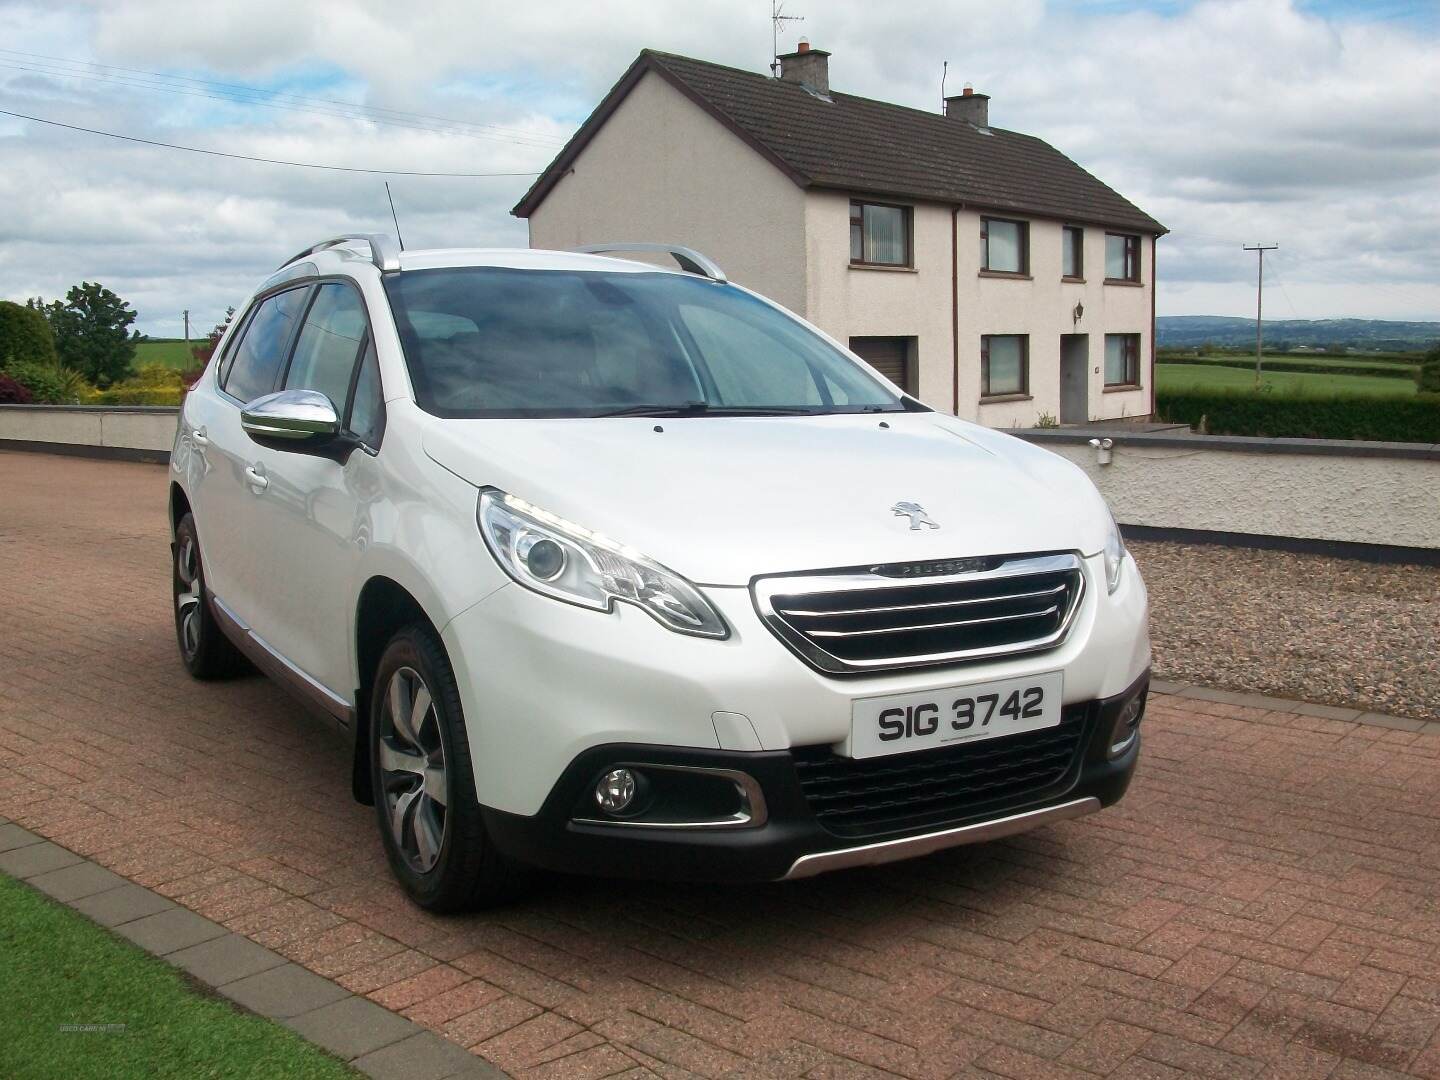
[(427, 810), (204, 649)]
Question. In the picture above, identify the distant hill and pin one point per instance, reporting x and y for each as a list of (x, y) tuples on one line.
[(1381, 334)]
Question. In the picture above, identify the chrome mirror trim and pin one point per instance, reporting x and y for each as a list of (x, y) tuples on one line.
[(292, 416)]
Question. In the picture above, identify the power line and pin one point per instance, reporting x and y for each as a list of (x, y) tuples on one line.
[(534, 139), (46, 65), (248, 157)]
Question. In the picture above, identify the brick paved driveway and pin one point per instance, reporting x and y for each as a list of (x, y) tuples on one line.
[(1263, 903)]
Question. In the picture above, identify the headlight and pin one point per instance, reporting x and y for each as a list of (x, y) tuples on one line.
[(1114, 556), (569, 562)]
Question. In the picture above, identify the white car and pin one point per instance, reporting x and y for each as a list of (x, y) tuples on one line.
[(610, 568)]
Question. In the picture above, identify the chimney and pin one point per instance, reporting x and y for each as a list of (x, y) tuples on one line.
[(808, 66), (969, 106)]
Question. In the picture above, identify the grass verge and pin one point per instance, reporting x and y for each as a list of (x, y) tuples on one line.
[(81, 1003)]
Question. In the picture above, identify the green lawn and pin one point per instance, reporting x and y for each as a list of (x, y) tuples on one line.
[(136, 1016), (1375, 360), (1203, 377), (173, 354)]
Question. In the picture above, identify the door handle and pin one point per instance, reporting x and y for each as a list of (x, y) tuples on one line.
[(198, 437), (256, 479)]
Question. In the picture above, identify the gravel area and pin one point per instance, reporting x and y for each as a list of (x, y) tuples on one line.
[(1333, 631)]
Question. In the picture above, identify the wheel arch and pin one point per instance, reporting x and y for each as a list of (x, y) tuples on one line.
[(384, 606)]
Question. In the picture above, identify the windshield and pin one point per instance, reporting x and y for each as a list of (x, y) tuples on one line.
[(495, 342)]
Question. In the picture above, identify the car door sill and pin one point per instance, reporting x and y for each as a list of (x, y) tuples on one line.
[(263, 655)]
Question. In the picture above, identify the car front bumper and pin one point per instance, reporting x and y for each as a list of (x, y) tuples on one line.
[(789, 841)]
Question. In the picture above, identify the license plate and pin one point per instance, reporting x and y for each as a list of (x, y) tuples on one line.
[(902, 723)]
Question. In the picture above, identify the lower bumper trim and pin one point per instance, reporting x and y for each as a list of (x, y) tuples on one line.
[(911, 846)]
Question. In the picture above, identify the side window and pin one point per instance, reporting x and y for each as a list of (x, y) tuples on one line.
[(367, 409), (262, 350), (328, 345)]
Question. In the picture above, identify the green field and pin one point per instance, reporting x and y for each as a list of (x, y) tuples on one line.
[(81, 1003), (1202, 377), (172, 354)]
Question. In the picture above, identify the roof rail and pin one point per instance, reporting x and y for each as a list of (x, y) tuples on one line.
[(383, 252), (689, 259)]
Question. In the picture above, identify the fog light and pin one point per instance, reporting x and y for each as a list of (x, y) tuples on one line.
[(615, 791), (1127, 725)]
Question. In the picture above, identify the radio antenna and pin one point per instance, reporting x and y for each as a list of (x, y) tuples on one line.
[(393, 216), (778, 19), (944, 71)]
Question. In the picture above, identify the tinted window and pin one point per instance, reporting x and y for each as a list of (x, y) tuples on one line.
[(329, 342), (262, 350), (367, 411), (490, 341)]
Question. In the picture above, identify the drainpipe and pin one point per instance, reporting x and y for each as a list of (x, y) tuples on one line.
[(955, 307), (1153, 282)]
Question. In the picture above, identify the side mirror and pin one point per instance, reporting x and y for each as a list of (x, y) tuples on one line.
[(299, 420)]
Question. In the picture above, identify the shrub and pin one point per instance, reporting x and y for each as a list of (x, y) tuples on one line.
[(1301, 416), (45, 382), (25, 335), (11, 392), (1428, 375), (154, 375), (128, 394)]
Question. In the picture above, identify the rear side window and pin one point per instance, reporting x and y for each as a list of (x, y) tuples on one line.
[(367, 410), (261, 351), (329, 343)]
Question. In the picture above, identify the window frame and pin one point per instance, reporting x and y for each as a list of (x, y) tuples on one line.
[(1132, 248), (1024, 271), (228, 361), (1007, 395), (1073, 234), (1132, 361), (857, 217)]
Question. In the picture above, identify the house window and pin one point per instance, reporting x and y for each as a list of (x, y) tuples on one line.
[(1072, 252), (1122, 359), (1004, 246), (1004, 365), (879, 234), (1122, 257)]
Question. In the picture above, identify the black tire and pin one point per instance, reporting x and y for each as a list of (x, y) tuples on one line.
[(462, 871), (204, 649)]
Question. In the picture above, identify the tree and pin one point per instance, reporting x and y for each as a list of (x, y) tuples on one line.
[(25, 336), (92, 332)]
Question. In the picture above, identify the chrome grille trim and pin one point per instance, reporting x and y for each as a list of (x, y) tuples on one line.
[(790, 606)]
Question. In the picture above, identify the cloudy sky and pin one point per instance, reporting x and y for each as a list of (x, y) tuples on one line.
[(1314, 124)]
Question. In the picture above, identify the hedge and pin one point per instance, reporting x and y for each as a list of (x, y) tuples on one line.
[(1408, 418), (1384, 371), (138, 395)]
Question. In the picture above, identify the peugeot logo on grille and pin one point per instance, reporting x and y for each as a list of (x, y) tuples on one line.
[(916, 513)]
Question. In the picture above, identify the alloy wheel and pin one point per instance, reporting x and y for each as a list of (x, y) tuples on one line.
[(412, 769), (187, 599)]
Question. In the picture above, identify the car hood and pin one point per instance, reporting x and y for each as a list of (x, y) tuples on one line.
[(724, 499)]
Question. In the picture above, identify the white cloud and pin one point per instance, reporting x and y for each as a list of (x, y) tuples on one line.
[(1231, 121)]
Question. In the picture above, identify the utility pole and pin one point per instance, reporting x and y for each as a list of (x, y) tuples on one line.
[(1259, 250), (777, 20), (186, 313)]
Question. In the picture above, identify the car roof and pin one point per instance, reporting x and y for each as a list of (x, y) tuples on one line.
[(511, 258)]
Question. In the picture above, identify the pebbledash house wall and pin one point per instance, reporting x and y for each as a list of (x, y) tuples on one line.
[(846, 300), (663, 169)]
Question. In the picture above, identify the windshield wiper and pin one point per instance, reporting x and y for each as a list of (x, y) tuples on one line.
[(704, 408)]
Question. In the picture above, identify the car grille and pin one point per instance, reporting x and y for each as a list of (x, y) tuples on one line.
[(850, 622), (861, 797)]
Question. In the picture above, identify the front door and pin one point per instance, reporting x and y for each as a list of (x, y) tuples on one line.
[(1074, 378)]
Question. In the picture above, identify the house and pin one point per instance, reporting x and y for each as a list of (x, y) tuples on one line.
[(979, 268)]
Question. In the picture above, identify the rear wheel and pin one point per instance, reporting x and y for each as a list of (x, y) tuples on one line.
[(427, 810), (204, 649)]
